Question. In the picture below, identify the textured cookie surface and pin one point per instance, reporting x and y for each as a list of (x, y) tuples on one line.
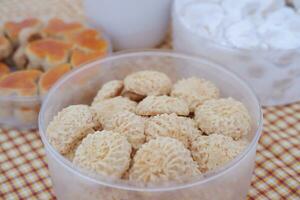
[(109, 90), (70, 125), (106, 108), (214, 151), (128, 124), (170, 125), (148, 83), (162, 159), (195, 91), (106, 153), (223, 116), (155, 105)]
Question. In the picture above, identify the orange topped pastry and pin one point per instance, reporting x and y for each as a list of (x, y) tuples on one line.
[(89, 40), (4, 69), (59, 29), (21, 83), (80, 57), (46, 53), (13, 29), (49, 78)]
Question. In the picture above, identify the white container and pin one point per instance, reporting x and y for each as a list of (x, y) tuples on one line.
[(274, 74), (230, 182), (130, 23)]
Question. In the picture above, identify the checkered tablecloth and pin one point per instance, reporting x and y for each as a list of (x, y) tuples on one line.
[(23, 166)]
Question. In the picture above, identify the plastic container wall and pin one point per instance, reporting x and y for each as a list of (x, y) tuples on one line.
[(230, 182)]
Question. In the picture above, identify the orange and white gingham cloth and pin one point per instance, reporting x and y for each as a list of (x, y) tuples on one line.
[(24, 173), (23, 166)]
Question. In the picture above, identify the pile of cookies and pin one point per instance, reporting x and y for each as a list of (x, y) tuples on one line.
[(146, 130), (34, 54)]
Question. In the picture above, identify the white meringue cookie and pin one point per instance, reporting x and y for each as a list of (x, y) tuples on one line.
[(243, 34)]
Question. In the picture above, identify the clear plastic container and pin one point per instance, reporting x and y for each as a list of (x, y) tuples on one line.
[(230, 182), (19, 112), (273, 74), (22, 112)]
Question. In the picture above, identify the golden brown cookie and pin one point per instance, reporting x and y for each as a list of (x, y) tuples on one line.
[(195, 91), (80, 57), (13, 29), (147, 83), (47, 53), (155, 105), (49, 78), (162, 159), (59, 29), (20, 83), (4, 69), (223, 116), (89, 40)]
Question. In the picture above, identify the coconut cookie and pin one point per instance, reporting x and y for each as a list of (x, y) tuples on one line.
[(106, 153), (162, 159), (195, 91), (147, 83), (128, 124), (170, 125), (155, 105), (106, 108), (69, 126), (109, 90), (224, 116), (213, 151)]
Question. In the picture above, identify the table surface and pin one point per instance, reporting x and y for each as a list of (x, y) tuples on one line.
[(23, 166)]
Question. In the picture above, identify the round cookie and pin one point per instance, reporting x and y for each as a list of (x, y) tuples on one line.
[(147, 83), (69, 126), (162, 159), (128, 124), (155, 105), (195, 91), (223, 116), (214, 151), (109, 90), (106, 108), (106, 153), (170, 125)]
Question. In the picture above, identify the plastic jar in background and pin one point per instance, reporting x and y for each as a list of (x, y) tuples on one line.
[(130, 23), (273, 73)]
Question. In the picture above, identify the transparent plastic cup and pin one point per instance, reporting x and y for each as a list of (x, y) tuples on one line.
[(230, 182)]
